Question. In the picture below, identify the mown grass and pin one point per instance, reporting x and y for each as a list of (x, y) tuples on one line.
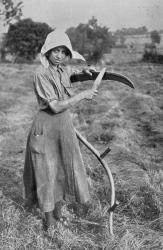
[(130, 122)]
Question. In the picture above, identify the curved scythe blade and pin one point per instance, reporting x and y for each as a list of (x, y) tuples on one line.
[(119, 78), (107, 76)]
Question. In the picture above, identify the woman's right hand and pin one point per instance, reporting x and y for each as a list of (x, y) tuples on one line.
[(90, 93)]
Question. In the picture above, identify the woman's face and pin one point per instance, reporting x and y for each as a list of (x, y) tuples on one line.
[(58, 55)]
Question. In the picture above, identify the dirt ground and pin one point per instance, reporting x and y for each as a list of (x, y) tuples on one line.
[(129, 121)]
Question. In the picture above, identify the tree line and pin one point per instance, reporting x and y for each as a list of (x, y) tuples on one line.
[(25, 38)]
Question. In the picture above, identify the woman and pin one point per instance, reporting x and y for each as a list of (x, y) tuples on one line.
[(54, 170)]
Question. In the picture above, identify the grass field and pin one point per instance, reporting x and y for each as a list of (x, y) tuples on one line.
[(130, 122)]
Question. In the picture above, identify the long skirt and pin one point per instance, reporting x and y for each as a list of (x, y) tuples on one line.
[(54, 168)]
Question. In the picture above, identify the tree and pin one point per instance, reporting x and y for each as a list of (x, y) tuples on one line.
[(155, 36), (10, 11), (91, 40), (25, 38)]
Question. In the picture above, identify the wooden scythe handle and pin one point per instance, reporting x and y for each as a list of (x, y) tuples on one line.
[(107, 169)]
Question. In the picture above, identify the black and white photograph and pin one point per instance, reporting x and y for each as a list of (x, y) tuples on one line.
[(81, 125)]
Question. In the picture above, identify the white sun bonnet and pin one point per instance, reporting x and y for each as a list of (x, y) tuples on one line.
[(54, 39)]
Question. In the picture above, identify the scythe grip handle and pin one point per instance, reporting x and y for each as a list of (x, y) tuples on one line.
[(107, 150)]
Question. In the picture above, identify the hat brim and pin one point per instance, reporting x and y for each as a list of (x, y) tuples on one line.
[(77, 55)]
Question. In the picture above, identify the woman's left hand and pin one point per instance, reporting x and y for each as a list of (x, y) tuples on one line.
[(89, 69)]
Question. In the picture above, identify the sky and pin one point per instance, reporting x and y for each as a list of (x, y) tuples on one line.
[(115, 14)]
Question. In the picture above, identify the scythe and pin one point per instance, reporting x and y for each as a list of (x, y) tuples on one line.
[(102, 75), (107, 76)]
